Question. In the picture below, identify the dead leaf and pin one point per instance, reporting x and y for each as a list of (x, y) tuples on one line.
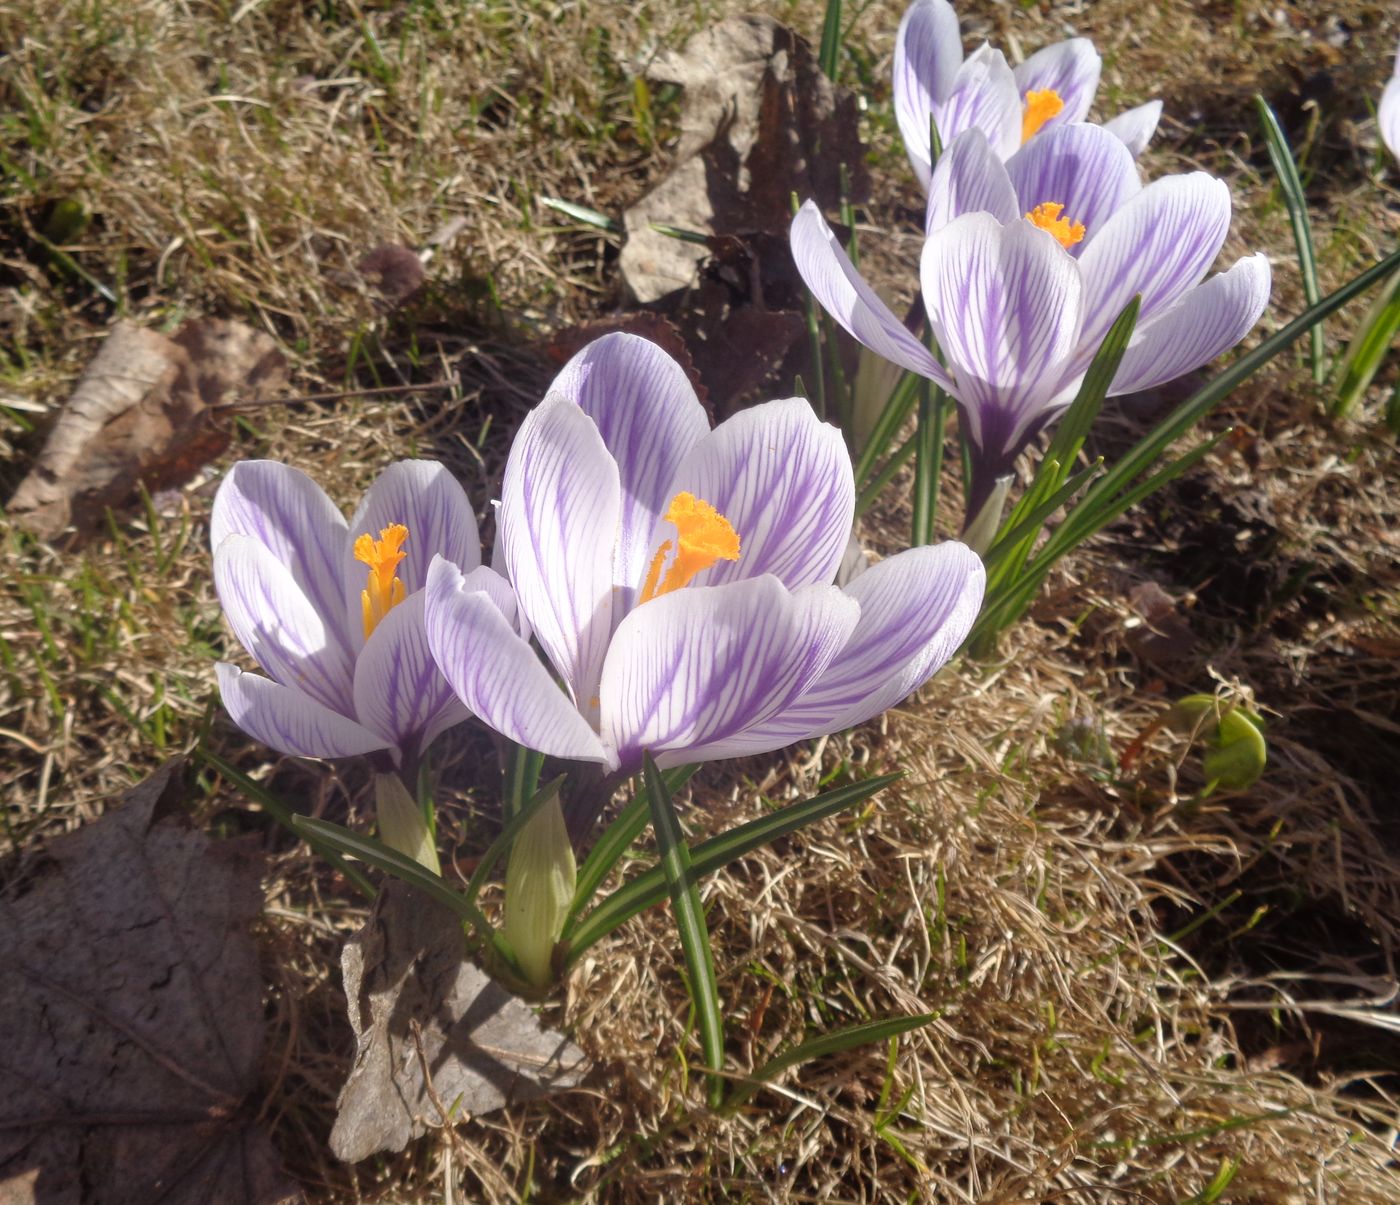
[(131, 1019), (141, 415), (395, 271), (1162, 636), (416, 1003), (759, 120)]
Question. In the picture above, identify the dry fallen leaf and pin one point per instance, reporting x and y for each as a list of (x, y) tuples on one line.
[(131, 1018), (141, 415), (759, 121), (417, 1006)]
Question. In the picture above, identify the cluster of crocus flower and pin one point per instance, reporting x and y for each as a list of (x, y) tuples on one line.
[(1030, 256)]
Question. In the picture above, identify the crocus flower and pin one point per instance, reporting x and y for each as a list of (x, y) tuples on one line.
[(678, 579), (1388, 111), (1028, 265), (333, 612), (1052, 88)]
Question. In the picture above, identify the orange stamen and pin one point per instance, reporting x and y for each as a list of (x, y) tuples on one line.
[(1041, 106), (383, 591), (703, 536), (1047, 216)]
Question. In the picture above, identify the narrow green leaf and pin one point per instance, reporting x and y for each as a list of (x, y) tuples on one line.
[(1013, 545), (928, 462), (831, 40), (1074, 426), (822, 1045), (617, 838), (500, 847), (284, 816), (649, 888), (405, 869), (898, 459), (522, 778), (901, 404), (1368, 348), (1291, 186), (681, 235), (690, 924), (581, 213)]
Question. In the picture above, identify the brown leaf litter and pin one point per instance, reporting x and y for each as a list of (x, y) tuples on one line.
[(131, 1021), (141, 416)]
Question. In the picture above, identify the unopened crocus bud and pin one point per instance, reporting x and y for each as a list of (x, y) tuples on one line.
[(401, 823), (540, 880)]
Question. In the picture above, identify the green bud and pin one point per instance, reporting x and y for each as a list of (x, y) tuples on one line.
[(401, 823), (540, 880), (1237, 752)]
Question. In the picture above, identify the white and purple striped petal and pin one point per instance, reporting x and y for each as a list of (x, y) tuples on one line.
[(1082, 167), (1005, 305), (399, 690), (1071, 70), (290, 516), (984, 95), (927, 54), (969, 178), (783, 480), (649, 417), (287, 720), (1159, 245), (844, 294), (560, 508), (1208, 320), (701, 665), (1135, 127), (425, 497), (1388, 112), (278, 625), (916, 609), (497, 674)]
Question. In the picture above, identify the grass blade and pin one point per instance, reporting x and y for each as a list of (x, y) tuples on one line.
[(617, 838), (1291, 186), (649, 888), (897, 409), (581, 213), (284, 816), (690, 924), (1074, 426), (898, 459), (825, 1044), (405, 869)]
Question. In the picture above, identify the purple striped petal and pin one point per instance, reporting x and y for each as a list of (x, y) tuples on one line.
[(1082, 167), (277, 624), (647, 412), (1134, 127), (496, 674), (1160, 244), (1004, 301), (1208, 320), (427, 499), (700, 666), (916, 609), (560, 504), (290, 516), (927, 54), (1388, 116), (844, 294), (399, 690), (1071, 69), (289, 721), (969, 178), (985, 96), (783, 480)]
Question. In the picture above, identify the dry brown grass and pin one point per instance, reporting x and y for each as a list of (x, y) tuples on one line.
[(1134, 986)]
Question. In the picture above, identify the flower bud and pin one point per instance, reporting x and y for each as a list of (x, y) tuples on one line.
[(540, 880), (401, 823)]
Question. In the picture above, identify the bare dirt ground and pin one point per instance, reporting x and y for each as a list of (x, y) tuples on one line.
[(1141, 995)]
